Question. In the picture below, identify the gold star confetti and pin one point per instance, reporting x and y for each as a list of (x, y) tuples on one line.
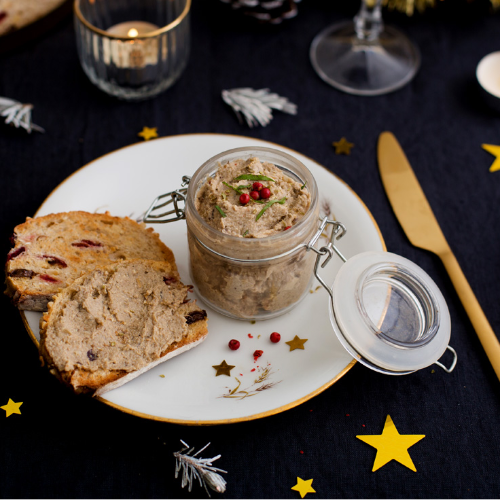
[(11, 408), (494, 150), (296, 343), (343, 146), (223, 369), (148, 133), (304, 487), (391, 445)]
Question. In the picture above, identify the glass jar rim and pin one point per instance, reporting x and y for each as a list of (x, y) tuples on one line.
[(249, 241), (151, 34)]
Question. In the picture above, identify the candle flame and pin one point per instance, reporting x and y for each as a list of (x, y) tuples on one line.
[(132, 32)]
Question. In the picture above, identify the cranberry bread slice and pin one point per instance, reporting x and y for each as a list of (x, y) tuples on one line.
[(16, 14), (116, 322), (50, 252)]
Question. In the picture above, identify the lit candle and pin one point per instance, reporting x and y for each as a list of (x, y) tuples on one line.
[(134, 52), (132, 28)]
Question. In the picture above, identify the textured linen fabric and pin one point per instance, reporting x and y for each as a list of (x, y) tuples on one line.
[(68, 446)]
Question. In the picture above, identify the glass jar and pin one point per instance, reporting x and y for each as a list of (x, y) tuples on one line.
[(252, 278)]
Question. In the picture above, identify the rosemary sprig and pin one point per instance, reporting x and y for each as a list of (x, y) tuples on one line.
[(269, 204), (245, 233), (198, 468), (237, 188), (220, 211), (253, 177), (303, 185)]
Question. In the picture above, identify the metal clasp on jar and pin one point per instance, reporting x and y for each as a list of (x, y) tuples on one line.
[(338, 230), (177, 197), (328, 251)]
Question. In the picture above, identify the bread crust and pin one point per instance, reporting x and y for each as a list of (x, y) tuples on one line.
[(101, 380), (56, 237)]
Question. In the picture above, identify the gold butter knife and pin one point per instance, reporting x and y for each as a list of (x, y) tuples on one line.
[(420, 225)]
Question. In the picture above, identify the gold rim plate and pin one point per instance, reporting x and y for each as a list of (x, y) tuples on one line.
[(192, 143)]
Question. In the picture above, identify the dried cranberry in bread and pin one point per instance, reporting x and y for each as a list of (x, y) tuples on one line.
[(50, 252), (16, 14), (118, 321)]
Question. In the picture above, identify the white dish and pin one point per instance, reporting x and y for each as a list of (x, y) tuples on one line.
[(185, 389), (488, 77)]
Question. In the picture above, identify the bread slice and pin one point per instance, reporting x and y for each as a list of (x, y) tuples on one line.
[(117, 322), (50, 252), (17, 14)]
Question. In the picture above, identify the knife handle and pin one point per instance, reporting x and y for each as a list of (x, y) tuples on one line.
[(486, 335)]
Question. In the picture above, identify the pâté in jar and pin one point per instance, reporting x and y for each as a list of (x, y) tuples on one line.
[(250, 212)]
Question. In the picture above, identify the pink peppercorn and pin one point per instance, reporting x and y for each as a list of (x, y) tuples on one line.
[(257, 354), (234, 345), (265, 193), (275, 337)]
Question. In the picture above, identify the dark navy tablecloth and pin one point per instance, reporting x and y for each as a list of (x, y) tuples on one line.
[(67, 446)]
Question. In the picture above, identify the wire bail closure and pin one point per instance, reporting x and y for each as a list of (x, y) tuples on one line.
[(176, 197), (338, 230), (453, 363)]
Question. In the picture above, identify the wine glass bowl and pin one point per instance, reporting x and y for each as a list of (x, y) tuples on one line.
[(364, 57)]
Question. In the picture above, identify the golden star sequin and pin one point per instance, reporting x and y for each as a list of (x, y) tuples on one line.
[(223, 369), (11, 408), (391, 445), (343, 147), (304, 487), (148, 133), (494, 150), (296, 343)]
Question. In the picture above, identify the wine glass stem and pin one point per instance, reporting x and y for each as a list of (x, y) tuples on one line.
[(368, 22)]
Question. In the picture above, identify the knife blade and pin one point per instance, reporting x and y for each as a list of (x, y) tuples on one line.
[(422, 229)]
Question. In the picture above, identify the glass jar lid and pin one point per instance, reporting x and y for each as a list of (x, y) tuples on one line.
[(388, 313)]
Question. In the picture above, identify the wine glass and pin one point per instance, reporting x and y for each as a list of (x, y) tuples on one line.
[(364, 57)]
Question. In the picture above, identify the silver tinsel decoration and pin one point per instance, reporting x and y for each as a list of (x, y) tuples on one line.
[(18, 114), (256, 105), (192, 467)]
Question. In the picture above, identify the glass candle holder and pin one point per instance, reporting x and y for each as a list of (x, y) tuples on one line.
[(133, 49)]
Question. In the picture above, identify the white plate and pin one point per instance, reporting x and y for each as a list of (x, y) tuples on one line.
[(125, 182)]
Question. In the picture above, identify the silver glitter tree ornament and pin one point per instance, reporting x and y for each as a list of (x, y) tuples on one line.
[(18, 115), (256, 105), (193, 467)]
